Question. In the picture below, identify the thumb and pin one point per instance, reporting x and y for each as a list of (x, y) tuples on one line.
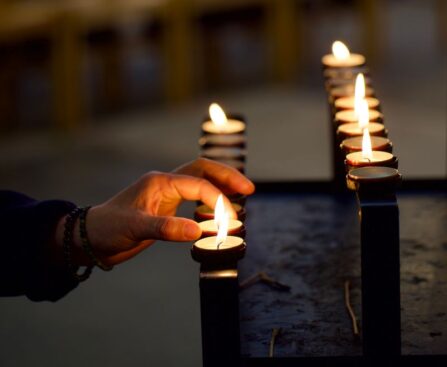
[(169, 229)]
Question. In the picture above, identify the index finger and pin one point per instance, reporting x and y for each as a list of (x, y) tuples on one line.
[(225, 176), (195, 188)]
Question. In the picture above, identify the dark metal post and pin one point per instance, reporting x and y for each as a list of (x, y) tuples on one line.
[(219, 303), (380, 264)]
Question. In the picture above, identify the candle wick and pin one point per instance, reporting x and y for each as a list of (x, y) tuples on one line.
[(218, 245)]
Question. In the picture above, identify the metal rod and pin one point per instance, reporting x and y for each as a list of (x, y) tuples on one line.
[(219, 303), (379, 222)]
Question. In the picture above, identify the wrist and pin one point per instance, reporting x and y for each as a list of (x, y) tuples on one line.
[(79, 258)]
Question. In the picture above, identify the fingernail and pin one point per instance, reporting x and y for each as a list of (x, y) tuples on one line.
[(191, 231)]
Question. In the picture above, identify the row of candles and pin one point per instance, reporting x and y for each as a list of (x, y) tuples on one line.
[(355, 111), (360, 133), (224, 140)]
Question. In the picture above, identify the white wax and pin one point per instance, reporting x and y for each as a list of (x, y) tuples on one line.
[(357, 159), (209, 243), (230, 127), (353, 129), (347, 116), (353, 60), (211, 226)]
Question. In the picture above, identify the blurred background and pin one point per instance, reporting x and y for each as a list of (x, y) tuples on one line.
[(93, 93)]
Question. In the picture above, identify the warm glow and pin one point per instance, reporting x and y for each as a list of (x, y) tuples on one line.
[(363, 114), (222, 230), (219, 210), (359, 93), (366, 145), (340, 51), (222, 218), (217, 114)]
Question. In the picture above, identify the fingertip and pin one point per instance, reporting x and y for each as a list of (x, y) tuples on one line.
[(191, 231), (247, 187)]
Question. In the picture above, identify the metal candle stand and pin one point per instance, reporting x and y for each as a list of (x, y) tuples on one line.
[(219, 305), (379, 227), (219, 293), (375, 189)]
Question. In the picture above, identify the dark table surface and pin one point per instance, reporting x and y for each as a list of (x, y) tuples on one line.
[(310, 241)]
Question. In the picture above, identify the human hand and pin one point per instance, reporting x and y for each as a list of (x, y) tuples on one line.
[(145, 211)]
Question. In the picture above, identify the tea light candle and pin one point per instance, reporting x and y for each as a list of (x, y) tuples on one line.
[(369, 157), (229, 251), (204, 212), (353, 129), (377, 158), (341, 57), (219, 124), (210, 228), (351, 145), (349, 116), (209, 243), (348, 103), (220, 248), (356, 129)]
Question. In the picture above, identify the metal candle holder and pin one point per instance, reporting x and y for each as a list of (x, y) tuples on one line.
[(219, 305), (375, 188)]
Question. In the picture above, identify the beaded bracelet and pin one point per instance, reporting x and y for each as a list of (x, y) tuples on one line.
[(70, 221), (86, 243)]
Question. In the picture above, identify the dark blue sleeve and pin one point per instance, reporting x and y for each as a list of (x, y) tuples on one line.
[(26, 227)]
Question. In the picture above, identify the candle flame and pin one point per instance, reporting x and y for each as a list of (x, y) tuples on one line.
[(340, 51), (221, 218), (363, 114), (366, 145), (219, 210), (222, 230), (217, 114)]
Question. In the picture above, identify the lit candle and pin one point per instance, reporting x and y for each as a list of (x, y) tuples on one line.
[(204, 212), (220, 248), (356, 129), (341, 57), (350, 116), (354, 144), (348, 103), (369, 157), (221, 218), (347, 116), (219, 124)]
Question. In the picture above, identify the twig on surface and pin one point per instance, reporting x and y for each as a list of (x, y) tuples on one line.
[(275, 333), (355, 328)]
